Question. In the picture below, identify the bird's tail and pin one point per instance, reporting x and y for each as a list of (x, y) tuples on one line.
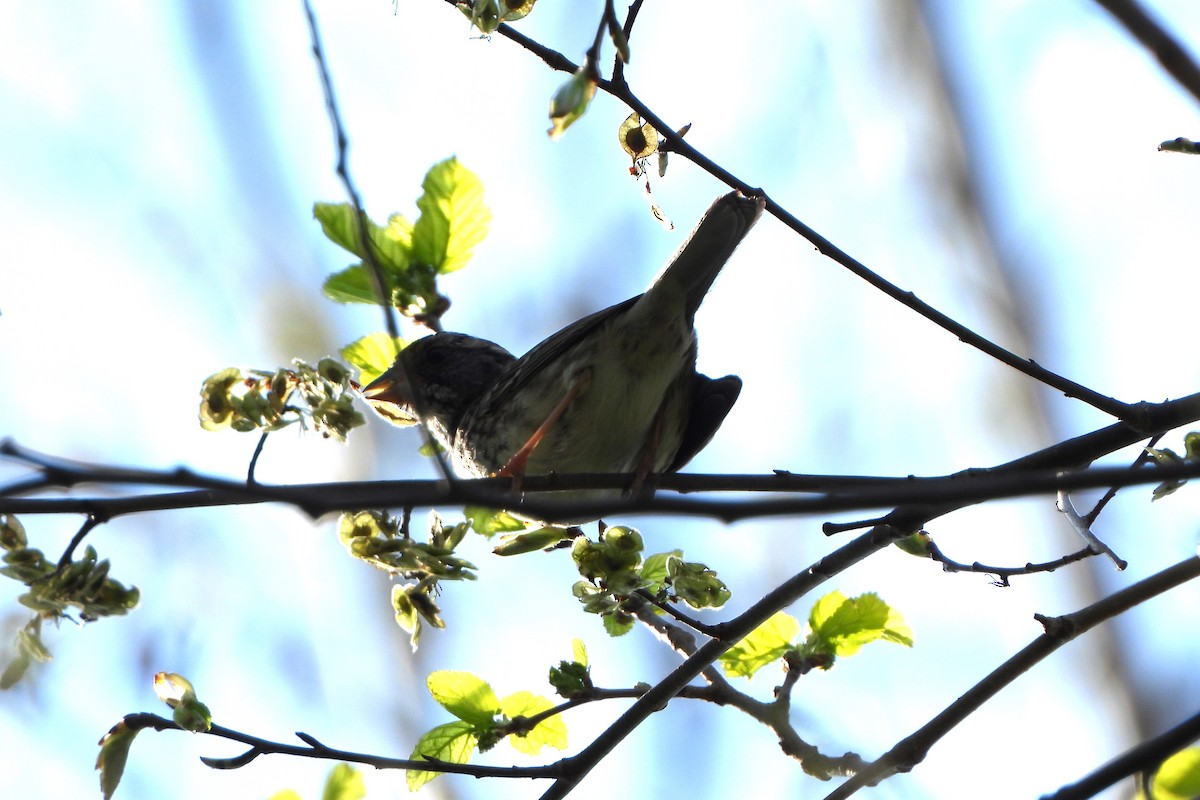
[(700, 258)]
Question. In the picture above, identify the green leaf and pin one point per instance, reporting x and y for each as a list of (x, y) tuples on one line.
[(842, 625), (617, 623), (372, 355), (351, 285), (344, 783), (15, 670), (550, 732), (654, 569), (453, 742), (464, 695), (390, 244), (286, 794), (519, 543), (114, 751), (765, 644), (579, 652), (489, 521), (407, 616), (1179, 776), (453, 217)]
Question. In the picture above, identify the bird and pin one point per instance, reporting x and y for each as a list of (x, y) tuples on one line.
[(614, 392)]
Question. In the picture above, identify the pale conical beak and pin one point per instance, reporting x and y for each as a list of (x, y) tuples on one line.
[(390, 395)]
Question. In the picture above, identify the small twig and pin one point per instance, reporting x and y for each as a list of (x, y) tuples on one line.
[(93, 521), (343, 171), (1143, 457), (258, 448), (627, 29), (1081, 526), (314, 749), (675, 613), (1004, 573), (373, 269)]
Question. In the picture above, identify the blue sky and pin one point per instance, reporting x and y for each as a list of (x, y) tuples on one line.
[(159, 166)]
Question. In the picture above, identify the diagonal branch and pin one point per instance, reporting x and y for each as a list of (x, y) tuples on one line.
[(911, 750), (1177, 62), (619, 88)]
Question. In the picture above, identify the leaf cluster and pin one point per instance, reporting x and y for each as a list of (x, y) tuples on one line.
[(403, 259), (53, 590), (319, 398), (384, 542), (483, 720), (837, 626), (614, 571)]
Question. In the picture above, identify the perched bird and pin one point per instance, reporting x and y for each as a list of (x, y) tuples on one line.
[(615, 392)]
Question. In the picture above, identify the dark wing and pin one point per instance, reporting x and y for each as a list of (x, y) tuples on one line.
[(710, 404), (551, 348)]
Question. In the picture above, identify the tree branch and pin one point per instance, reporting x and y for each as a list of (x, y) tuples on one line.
[(1177, 62), (619, 89), (911, 750)]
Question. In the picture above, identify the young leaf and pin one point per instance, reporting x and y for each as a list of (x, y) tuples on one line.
[(372, 355), (550, 732), (114, 751), (515, 544), (390, 245), (490, 521), (842, 625), (464, 695), (617, 623), (571, 100), (453, 217), (453, 742), (1179, 776), (654, 569), (344, 783), (765, 644), (579, 652), (351, 285)]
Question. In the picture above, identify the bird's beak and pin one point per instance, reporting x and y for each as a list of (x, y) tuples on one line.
[(392, 398)]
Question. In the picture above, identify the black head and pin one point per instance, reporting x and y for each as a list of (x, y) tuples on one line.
[(441, 376)]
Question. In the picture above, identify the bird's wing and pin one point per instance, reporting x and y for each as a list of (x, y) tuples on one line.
[(529, 365)]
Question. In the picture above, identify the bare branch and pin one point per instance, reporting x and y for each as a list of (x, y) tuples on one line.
[(911, 750), (1177, 62)]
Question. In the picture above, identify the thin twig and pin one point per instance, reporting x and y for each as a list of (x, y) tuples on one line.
[(373, 269), (1003, 574), (341, 142)]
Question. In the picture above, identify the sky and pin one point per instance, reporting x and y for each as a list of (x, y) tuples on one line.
[(158, 170)]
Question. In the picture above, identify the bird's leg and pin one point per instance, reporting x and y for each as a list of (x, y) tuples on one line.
[(515, 467)]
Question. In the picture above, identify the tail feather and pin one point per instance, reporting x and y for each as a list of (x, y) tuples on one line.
[(700, 258)]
